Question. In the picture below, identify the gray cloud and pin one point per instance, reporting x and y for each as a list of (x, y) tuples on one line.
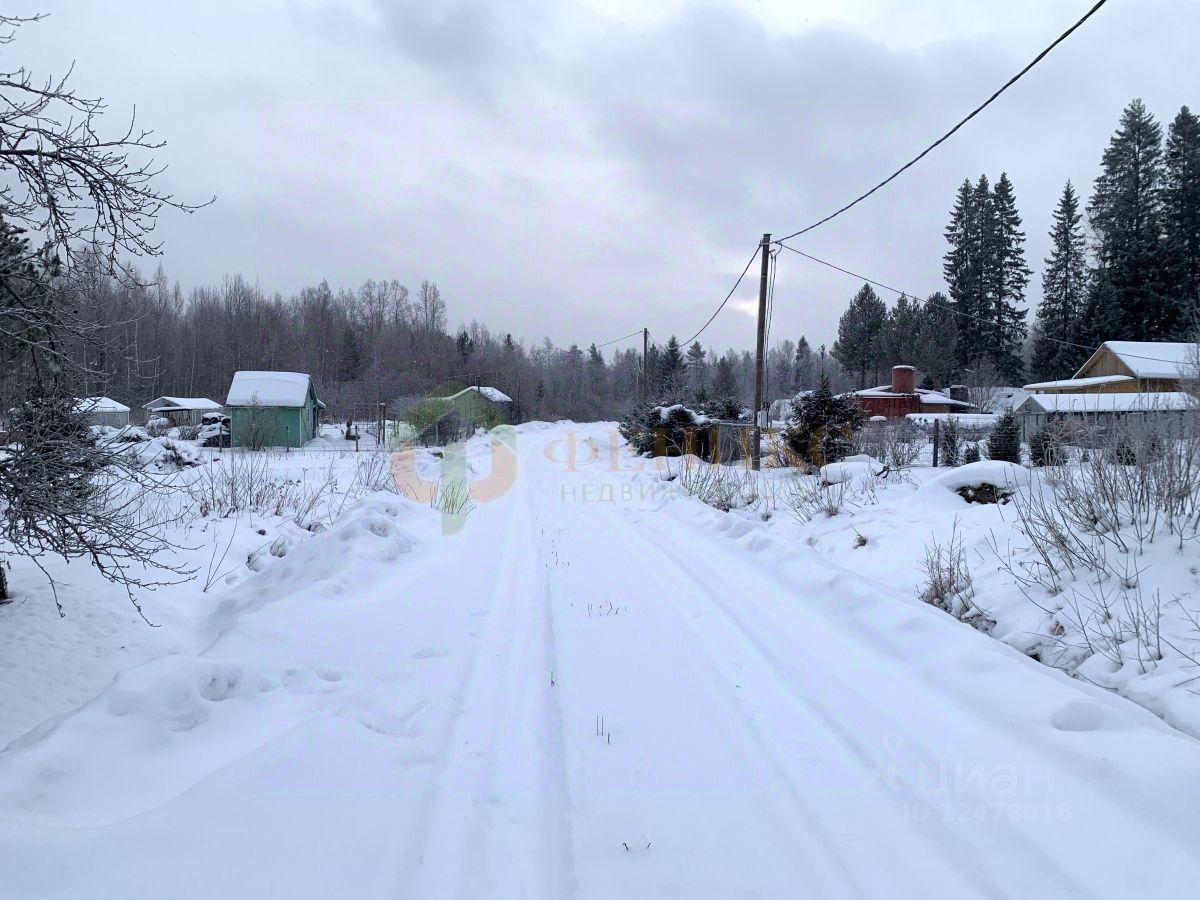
[(563, 169)]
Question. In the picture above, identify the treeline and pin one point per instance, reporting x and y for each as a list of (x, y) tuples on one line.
[(1136, 276), (381, 342)]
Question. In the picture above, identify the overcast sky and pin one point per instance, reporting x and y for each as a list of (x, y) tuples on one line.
[(581, 169)]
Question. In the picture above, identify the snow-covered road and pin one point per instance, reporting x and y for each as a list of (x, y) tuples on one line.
[(597, 689)]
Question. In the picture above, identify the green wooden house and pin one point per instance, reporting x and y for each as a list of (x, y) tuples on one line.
[(272, 409)]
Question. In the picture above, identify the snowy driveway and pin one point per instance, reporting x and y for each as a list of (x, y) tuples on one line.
[(596, 689)]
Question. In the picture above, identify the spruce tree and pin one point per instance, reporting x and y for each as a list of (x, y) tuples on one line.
[(802, 367), (724, 385), (1064, 281), (1127, 301), (697, 367), (1181, 207), (963, 268), (1004, 443), (670, 365), (1007, 275), (900, 342), (937, 338), (858, 343)]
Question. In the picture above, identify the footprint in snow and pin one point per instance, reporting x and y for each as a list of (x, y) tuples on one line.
[(1079, 715)]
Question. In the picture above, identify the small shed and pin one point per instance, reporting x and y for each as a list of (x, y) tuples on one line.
[(272, 409), (1097, 409), (104, 411), (181, 410)]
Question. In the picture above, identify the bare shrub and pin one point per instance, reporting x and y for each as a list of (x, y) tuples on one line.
[(947, 582), (808, 498), (725, 487), (897, 443), (1088, 527)]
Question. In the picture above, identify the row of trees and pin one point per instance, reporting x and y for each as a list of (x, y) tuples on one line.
[(380, 342), (1142, 280), (1132, 272)]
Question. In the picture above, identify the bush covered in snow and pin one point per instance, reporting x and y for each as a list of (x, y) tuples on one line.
[(669, 429), (822, 426)]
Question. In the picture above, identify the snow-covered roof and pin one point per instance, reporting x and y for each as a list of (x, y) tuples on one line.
[(926, 396), (269, 389), (100, 404), (1107, 403), (1151, 359), (182, 403), (488, 393), (1069, 383), (960, 418)]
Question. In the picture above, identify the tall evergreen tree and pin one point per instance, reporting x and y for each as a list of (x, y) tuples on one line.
[(900, 337), (859, 332), (1126, 213), (1064, 285), (937, 338), (724, 385), (696, 364), (671, 365), (964, 270), (802, 367), (1007, 276), (1181, 206)]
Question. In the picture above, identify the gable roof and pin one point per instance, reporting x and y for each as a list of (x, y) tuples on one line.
[(270, 389), (1149, 359), (488, 393), (100, 404), (183, 403)]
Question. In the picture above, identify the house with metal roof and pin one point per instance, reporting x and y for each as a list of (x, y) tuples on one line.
[(1129, 367), (272, 409)]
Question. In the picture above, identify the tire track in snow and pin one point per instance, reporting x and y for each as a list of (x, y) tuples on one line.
[(492, 815), (690, 568)]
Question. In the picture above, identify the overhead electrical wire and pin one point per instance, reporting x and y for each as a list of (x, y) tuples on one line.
[(961, 122), (623, 337), (732, 290), (949, 309)]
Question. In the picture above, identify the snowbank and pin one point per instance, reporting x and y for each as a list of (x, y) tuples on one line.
[(851, 468), (156, 454), (986, 471)]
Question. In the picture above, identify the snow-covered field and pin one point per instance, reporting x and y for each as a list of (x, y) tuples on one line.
[(595, 686)]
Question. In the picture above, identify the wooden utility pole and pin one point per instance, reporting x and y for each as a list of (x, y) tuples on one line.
[(645, 350), (760, 356)]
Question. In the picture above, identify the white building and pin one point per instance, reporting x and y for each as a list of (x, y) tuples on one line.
[(180, 410), (104, 411)]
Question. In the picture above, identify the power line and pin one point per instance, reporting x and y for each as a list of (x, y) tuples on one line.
[(749, 262), (623, 337), (976, 111), (950, 309)]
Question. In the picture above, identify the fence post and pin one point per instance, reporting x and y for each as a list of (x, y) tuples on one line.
[(937, 440)]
